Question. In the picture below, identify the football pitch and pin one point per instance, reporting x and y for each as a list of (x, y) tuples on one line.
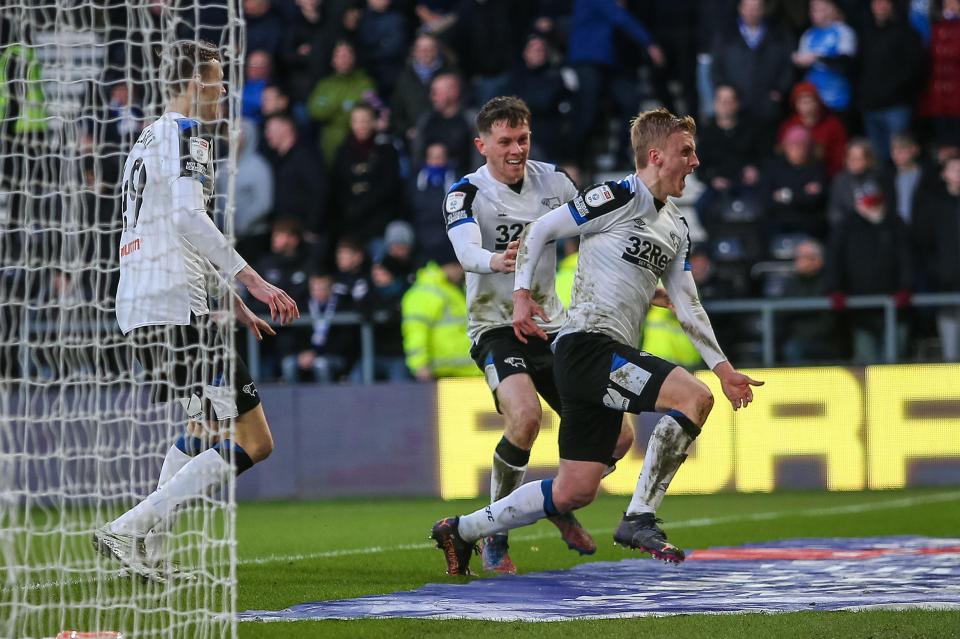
[(296, 552)]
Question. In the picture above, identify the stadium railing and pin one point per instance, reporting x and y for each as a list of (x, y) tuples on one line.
[(767, 309)]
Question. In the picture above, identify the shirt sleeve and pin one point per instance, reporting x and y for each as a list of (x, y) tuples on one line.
[(601, 206), (463, 229), (193, 223), (187, 163), (682, 289), (467, 243), (554, 225)]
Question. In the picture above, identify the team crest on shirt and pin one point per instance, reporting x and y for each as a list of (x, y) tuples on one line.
[(598, 196), (675, 240), (454, 201), (550, 202), (199, 150)]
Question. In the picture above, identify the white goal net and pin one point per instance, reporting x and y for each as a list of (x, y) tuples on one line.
[(80, 440)]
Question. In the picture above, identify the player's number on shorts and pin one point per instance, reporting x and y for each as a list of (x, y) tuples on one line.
[(133, 189)]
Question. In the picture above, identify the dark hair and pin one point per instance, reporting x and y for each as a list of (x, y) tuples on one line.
[(186, 59), (288, 225), (509, 109)]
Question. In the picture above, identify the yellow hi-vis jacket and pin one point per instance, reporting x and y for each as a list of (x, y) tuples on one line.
[(664, 337), (566, 270), (435, 326), (32, 117)]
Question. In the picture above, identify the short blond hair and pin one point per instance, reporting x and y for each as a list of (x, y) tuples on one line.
[(652, 128)]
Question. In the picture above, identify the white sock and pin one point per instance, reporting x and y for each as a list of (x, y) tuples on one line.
[(665, 452), (156, 538), (522, 507), (206, 470), (172, 463), (504, 478)]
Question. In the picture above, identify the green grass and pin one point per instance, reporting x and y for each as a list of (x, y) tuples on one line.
[(305, 532), (297, 552)]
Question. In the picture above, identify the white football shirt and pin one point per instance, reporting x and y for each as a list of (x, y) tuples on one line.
[(168, 235), (627, 244), (502, 214)]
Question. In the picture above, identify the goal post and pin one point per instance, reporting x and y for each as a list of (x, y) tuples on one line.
[(80, 440)]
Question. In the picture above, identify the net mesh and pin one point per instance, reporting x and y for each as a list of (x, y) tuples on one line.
[(80, 441)]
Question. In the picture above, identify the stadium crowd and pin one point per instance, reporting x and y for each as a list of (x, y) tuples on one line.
[(829, 140)]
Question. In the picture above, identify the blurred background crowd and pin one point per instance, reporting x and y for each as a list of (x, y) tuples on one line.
[(829, 141)]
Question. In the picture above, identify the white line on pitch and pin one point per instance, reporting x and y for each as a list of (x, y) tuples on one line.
[(903, 502)]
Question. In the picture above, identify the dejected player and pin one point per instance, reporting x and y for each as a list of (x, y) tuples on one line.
[(485, 212), (631, 235), (167, 246)]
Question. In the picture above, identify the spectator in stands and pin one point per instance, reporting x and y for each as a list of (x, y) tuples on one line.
[(487, 36), (334, 96), (870, 255), (333, 351), (795, 189), (676, 25), (253, 199), (274, 101), (436, 16), (435, 324), (258, 73), (567, 269), (324, 351), (860, 180), (304, 53), (390, 278), (109, 133), (427, 190), (755, 60), (591, 53), (937, 232), (663, 336), (908, 174), (366, 181), (300, 181), (825, 128), (537, 81), (807, 336), (891, 55), (710, 284), (729, 154), (445, 123), (941, 102), (264, 26), (826, 54), (714, 285), (398, 255), (411, 96), (382, 41), (286, 265)]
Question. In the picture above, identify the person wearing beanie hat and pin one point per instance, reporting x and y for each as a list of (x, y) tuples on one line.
[(826, 129)]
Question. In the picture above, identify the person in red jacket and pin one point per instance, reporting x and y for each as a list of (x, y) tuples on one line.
[(825, 128), (942, 99)]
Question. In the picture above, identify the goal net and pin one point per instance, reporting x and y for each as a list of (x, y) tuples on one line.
[(80, 439)]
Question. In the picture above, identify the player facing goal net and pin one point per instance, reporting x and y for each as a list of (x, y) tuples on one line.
[(82, 435)]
